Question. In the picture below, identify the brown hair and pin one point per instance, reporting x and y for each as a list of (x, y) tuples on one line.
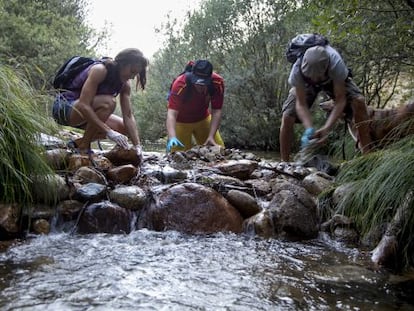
[(133, 56)]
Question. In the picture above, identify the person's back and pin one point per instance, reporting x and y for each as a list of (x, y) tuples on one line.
[(335, 71), (112, 85), (194, 106)]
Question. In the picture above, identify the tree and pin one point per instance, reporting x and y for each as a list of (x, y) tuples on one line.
[(245, 40), (377, 41), (39, 35)]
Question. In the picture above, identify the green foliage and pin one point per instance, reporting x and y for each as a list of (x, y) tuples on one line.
[(37, 36), (376, 40), (245, 40), (381, 183), (20, 123)]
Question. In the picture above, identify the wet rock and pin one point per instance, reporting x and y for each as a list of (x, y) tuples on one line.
[(57, 158), (9, 218), (122, 174), (260, 224), (171, 175), (337, 220), (340, 192), (190, 208), (86, 175), (50, 142), (105, 217), (91, 192), (38, 211), (41, 226), (119, 156), (129, 197), (50, 189), (294, 212), (347, 235), (317, 182), (101, 163), (251, 156), (385, 254), (179, 161), (265, 174), (260, 187), (320, 162), (245, 203), (76, 161), (241, 169), (68, 210), (209, 153), (221, 183)]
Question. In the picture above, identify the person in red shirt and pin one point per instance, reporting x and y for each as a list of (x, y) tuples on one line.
[(189, 114)]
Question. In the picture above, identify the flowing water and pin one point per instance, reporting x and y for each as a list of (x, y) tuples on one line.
[(148, 270)]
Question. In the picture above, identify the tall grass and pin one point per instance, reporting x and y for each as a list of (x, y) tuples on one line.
[(21, 121), (382, 182)]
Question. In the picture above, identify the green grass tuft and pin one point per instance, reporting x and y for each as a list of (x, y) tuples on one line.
[(382, 182), (21, 121)]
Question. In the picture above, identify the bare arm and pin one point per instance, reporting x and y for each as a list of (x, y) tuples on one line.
[(337, 111), (214, 125), (127, 115), (171, 122)]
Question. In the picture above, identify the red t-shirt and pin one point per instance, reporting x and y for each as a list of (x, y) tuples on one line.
[(194, 107)]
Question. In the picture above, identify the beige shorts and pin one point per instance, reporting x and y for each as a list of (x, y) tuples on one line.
[(289, 105)]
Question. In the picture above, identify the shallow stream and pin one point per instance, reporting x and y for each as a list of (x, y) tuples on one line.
[(147, 270)]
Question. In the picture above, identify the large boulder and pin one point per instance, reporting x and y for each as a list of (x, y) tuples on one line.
[(294, 212), (190, 208), (105, 217)]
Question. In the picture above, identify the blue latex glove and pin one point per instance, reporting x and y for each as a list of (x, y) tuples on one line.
[(173, 142), (306, 137)]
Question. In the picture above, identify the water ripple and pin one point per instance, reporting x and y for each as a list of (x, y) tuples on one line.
[(148, 270)]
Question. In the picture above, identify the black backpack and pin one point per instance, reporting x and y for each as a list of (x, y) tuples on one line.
[(69, 70), (299, 44), (187, 71)]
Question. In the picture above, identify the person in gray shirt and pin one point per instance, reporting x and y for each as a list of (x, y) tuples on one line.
[(321, 69)]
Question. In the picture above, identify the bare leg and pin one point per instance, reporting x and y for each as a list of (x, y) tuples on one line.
[(361, 120), (286, 136), (104, 106), (116, 123)]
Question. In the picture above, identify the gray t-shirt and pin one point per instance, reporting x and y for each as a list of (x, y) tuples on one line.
[(337, 69)]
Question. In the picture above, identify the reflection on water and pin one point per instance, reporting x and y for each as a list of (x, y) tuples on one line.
[(170, 271)]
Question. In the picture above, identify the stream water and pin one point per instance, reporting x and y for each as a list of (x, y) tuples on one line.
[(148, 270)]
